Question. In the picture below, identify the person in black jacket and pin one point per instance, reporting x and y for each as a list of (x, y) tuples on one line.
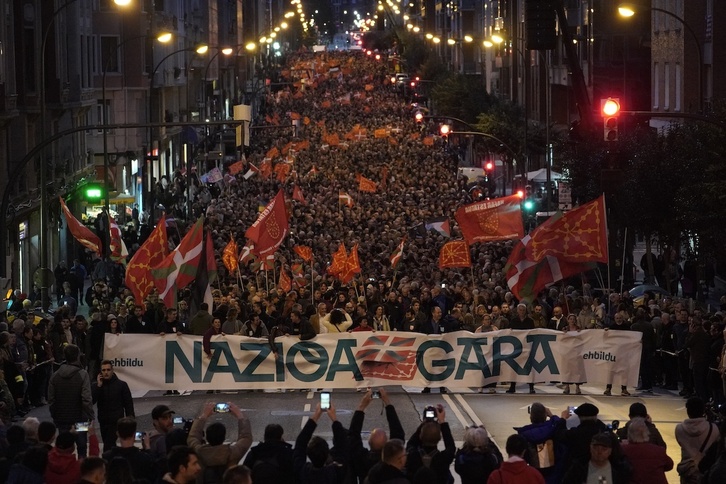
[(577, 439), (114, 402), (362, 459), (301, 326), (271, 460), (319, 470), (143, 464), (391, 468), (69, 396), (424, 460)]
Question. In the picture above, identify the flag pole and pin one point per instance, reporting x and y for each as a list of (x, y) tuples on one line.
[(622, 264), (267, 282), (312, 284)]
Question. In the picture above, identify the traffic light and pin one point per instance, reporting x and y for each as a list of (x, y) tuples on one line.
[(445, 130), (93, 193), (540, 24), (419, 116), (610, 111), (489, 166), (528, 205)]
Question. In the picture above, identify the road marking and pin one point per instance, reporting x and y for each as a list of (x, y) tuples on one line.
[(474, 417), (306, 408), (454, 408)]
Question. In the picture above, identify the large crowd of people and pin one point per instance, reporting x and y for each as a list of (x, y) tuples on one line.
[(45, 359)]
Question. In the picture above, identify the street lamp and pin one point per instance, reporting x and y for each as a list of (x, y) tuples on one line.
[(163, 38), (42, 239), (628, 10)]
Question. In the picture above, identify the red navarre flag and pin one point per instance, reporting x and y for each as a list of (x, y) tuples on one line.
[(270, 228), (490, 220), (285, 282), (366, 185), (579, 235), (305, 252), (340, 259), (352, 266), (297, 194), (81, 233), (455, 254), (138, 271), (229, 255)]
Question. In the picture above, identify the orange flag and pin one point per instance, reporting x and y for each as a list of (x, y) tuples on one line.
[(272, 153), (428, 141), (352, 266), (326, 104), (229, 255), (282, 170), (139, 278), (380, 133), (294, 116), (340, 259), (285, 282), (297, 194), (366, 185), (455, 254), (265, 169), (305, 252)]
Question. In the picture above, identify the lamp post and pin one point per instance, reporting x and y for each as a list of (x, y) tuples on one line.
[(164, 37), (628, 10), (43, 234), (200, 49)]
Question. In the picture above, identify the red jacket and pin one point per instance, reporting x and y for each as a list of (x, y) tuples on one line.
[(649, 461), (65, 468), (518, 472)]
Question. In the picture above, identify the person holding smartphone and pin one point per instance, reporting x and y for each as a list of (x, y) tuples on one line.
[(215, 456), (315, 448), (143, 464), (424, 460), (113, 397)]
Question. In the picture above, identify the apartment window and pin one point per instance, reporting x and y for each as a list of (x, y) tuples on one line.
[(667, 87), (28, 63), (109, 54), (677, 104), (100, 105), (656, 85)]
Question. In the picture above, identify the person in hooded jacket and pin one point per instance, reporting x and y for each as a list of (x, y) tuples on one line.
[(696, 432), (63, 465), (69, 396), (515, 469)]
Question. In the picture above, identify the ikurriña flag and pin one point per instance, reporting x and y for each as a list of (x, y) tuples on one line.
[(345, 199), (82, 234), (139, 278), (180, 267), (491, 220), (270, 228), (398, 254)]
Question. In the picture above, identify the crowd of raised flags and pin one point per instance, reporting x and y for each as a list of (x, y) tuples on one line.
[(563, 246)]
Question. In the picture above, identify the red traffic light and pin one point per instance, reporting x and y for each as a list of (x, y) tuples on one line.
[(610, 106), (489, 166), (520, 193), (445, 130), (419, 116)]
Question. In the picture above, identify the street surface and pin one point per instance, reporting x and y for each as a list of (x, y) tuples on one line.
[(464, 407)]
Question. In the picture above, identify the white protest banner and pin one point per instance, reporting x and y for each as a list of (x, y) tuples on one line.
[(364, 359)]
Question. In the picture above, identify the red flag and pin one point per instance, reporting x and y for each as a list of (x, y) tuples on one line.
[(235, 167), (272, 153), (229, 255), (340, 259), (138, 272), (305, 252), (455, 254), (490, 220), (527, 278), (352, 266), (118, 250), (384, 177), (313, 170), (270, 228), (297, 194), (579, 235), (265, 169), (82, 234), (398, 254), (179, 268), (285, 282), (366, 185), (345, 199), (282, 170)]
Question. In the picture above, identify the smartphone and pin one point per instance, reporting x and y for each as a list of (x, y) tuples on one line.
[(178, 420), (572, 410), (139, 435), (324, 400), (221, 408), (82, 427), (443, 286), (430, 413), (375, 394)]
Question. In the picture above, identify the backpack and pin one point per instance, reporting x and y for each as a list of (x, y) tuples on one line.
[(427, 458)]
